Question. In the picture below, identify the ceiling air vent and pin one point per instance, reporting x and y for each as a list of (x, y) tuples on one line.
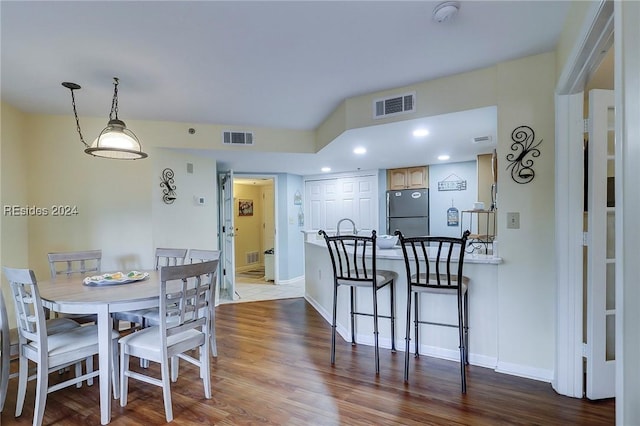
[(481, 139), (237, 138), (398, 104)]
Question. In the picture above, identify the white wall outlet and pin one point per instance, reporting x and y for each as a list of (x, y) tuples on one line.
[(200, 201), (513, 220)]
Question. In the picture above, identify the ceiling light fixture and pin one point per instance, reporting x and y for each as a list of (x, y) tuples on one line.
[(445, 12), (419, 133), (443, 157), (359, 150), (115, 140), (325, 169)]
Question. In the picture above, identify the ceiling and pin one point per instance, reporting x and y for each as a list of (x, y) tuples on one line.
[(267, 64)]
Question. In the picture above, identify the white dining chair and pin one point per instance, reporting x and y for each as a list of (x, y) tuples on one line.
[(10, 345), (164, 257), (198, 255), (50, 352), (86, 262), (186, 293)]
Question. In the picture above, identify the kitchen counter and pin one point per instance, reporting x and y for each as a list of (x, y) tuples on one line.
[(441, 342), (396, 252)]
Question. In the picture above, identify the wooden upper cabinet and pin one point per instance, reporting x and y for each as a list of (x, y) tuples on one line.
[(408, 178)]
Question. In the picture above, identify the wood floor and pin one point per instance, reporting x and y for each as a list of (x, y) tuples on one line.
[(273, 368)]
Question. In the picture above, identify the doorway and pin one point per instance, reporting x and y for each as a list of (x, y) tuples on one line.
[(254, 220), (254, 225)]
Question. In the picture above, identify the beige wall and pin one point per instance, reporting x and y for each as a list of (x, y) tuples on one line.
[(13, 191), (527, 278), (523, 91)]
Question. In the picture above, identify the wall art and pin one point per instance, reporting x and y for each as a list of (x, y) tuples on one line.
[(168, 186), (521, 161), (245, 207)]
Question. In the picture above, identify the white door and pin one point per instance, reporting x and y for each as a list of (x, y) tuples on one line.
[(601, 257), (268, 220), (228, 290)]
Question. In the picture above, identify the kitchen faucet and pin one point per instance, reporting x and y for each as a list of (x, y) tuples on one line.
[(355, 231)]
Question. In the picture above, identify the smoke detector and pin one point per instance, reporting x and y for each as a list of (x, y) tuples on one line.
[(445, 12)]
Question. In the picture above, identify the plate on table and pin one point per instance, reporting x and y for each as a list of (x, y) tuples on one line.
[(115, 278)]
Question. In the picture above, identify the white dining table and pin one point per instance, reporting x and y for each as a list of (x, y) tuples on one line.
[(69, 295)]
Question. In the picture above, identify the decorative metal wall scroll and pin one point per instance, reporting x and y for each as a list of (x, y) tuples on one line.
[(168, 186), (525, 147)]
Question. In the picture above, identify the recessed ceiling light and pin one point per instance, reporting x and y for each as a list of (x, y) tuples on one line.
[(359, 150), (325, 169), (443, 157), (419, 133)]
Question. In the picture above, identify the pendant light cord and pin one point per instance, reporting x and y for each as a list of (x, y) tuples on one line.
[(114, 101), (73, 102)]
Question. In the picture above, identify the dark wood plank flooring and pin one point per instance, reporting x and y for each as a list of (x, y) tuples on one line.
[(273, 368)]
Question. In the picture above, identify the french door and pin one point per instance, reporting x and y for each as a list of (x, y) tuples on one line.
[(601, 256), (228, 290)]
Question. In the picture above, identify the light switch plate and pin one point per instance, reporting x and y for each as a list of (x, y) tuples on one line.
[(513, 220)]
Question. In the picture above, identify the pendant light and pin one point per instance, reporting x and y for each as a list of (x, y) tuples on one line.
[(114, 141)]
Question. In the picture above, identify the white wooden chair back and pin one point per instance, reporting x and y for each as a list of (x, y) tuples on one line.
[(170, 257), (197, 255), (75, 262)]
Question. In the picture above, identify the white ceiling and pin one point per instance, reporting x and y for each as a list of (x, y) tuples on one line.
[(266, 64)]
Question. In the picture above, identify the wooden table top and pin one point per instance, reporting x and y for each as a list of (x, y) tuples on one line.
[(71, 290)]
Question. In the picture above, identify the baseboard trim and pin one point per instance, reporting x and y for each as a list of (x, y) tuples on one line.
[(511, 369)]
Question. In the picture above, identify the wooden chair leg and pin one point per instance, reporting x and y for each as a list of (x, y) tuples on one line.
[(115, 370), (4, 377), (89, 363), (166, 391), (22, 385), (124, 379), (42, 383)]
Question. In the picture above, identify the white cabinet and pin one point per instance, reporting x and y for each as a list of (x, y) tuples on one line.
[(331, 199)]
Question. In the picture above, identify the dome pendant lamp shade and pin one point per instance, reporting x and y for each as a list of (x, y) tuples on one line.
[(115, 141)]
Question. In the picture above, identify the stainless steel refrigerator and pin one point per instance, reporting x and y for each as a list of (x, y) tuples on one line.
[(408, 211)]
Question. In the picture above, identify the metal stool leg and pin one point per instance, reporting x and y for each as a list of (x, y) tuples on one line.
[(375, 328), (416, 323), (393, 315), (353, 315), (407, 335), (333, 323)]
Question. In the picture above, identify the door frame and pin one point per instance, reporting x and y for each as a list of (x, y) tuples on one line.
[(276, 251), (596, 36)]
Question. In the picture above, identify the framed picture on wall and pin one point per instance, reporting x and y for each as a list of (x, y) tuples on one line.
[(245, 208)]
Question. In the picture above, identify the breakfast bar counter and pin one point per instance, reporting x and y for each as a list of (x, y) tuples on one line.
[(441, 342)]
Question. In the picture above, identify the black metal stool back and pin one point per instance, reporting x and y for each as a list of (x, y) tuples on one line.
[(353, 258), (434, 265)]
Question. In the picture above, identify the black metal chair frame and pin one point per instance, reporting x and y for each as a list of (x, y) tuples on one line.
[(352, 268), (422, 279)]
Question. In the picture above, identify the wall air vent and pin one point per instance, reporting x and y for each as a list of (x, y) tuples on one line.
[(481, 139), (237, 138), (397, 104)]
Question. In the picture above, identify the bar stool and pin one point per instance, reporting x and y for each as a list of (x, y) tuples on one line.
[(351, 268), (434, 266)]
